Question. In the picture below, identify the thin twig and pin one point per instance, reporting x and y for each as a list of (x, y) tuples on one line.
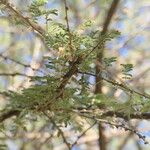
[(126, 128), (82, 134), (19, 63), (15, 74), (60, 131), (67, 22), (121, 85)]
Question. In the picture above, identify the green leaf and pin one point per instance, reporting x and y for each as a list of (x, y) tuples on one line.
[(108, 61), (126, 70)]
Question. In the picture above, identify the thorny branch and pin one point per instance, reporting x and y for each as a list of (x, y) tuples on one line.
[(117, 125)]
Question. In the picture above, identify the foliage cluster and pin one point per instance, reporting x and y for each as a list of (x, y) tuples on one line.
[(64, 92)]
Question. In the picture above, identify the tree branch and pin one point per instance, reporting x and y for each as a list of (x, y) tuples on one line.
[(9, 114), (34, 26), (15, 74), (117, 125), (121, 85), (60, 131), (19, 63), (67, 22), (72, 145)]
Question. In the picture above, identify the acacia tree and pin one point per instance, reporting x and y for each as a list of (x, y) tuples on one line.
[(57, 93)]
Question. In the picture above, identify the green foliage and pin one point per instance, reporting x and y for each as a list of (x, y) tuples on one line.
[(108, 61), (3, 147), (65, 90), (109, 35), (127, 68), (30, 97), (76, 93), (37, 9)]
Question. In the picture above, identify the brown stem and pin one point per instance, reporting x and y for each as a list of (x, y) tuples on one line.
[(67, 22), (9, 114)]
